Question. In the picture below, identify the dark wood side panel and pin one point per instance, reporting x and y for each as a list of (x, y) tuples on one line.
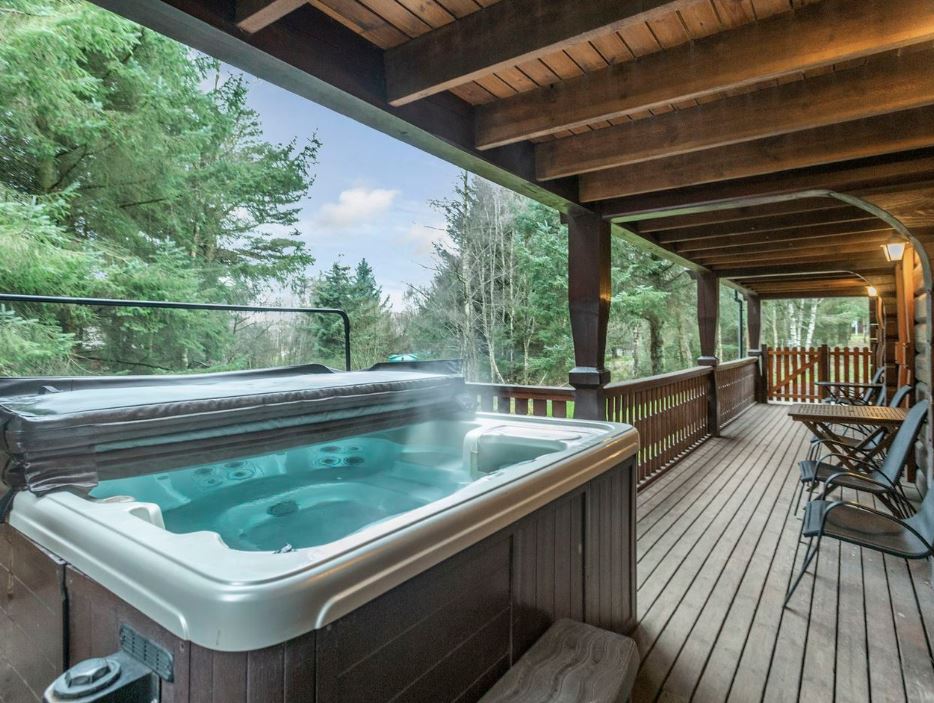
[(609, 557), (548, 578), (32, 618), (94, 618), (440, 631)]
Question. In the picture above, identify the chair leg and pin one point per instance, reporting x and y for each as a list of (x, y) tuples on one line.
[(813, 549)]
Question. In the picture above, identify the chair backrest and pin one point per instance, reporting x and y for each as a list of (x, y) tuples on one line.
[(899, 396), (876, 396), (901, 447)]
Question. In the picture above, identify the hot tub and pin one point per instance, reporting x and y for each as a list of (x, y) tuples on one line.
[(276, 545)]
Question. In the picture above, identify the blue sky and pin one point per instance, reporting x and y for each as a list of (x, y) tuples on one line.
[(371, 195)]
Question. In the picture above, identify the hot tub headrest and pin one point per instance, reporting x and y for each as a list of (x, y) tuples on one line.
[(75, 438)]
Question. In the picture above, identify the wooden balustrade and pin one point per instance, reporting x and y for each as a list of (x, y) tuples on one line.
[(736, 387), (671, 411), (792, 373), (540, 401)]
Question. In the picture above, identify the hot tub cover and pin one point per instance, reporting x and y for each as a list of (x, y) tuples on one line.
[(73, 433)]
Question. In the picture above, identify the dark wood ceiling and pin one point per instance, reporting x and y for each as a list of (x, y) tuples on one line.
[(717, 131)]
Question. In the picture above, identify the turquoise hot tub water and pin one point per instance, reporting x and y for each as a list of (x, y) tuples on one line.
[(318, 493)]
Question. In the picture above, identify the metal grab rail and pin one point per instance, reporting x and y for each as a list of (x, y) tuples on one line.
[(117, 303)]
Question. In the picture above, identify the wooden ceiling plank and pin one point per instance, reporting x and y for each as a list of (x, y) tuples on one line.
[(889, 84), (254, 15), (876, 136), (818, 35), (361, 20), (796, 221), (502, 35)]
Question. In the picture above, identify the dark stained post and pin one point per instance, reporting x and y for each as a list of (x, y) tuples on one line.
[(754, 332), (708, 314), (589, 302)]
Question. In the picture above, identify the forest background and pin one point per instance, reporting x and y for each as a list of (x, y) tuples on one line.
[(131, 167)]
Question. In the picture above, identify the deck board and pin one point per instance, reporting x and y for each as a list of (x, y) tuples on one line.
[(718, 536)]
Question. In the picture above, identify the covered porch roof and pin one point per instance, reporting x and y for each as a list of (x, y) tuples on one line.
[(774, 143)]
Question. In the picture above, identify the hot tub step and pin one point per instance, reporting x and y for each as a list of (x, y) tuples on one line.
[(571, 662)]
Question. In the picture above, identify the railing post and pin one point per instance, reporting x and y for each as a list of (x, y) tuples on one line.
[(589, 303), (708, 313), (823, 369), (762, 373)]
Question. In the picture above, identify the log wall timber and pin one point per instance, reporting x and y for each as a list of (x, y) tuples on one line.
[(903, 131), (826, 33), (888, 84), (500, 36)]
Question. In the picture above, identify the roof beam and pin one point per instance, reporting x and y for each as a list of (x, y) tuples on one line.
[(688, 248), (817, 35), (740, 214), (860, 265), (254, 15), (803, 254), (867, 240), (840, 215), (902, 131), (858, 178), (888, 84), (503, 35)]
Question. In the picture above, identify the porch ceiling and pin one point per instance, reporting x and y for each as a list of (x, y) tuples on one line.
[(682, 121)]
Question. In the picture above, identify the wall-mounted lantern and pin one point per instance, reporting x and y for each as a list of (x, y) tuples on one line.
[(894, 249), (871, 291)]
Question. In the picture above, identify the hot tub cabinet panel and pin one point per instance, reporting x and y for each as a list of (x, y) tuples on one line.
[(446, 634)]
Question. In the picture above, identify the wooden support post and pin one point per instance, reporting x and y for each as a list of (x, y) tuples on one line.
[(589, 301), (823, 368), (708, 314), (754, 333)]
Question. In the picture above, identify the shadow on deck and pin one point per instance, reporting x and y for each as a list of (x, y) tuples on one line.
[(716, 539)]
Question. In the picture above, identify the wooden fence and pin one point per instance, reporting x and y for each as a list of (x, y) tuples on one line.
[(792, 373)]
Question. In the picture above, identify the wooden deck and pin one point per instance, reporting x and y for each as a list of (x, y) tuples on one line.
[(717, 537)]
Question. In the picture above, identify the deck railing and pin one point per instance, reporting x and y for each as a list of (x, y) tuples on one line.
[(792, 373), (670, 411), (673, 412), (736, 387), (541, 401)]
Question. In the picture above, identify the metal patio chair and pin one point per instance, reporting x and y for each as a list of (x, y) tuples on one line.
[(907, 537), (872, 393), (881, 478)]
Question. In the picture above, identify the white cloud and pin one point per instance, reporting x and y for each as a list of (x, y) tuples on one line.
[(355, 206), (423, 237)]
